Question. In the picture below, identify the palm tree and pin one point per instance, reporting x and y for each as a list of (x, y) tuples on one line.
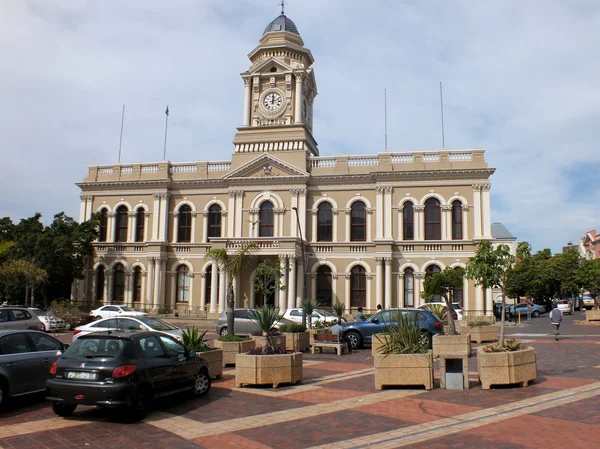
[(233, 265)]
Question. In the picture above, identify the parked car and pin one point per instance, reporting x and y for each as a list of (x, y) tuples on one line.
[(575, 302), (523, 308), (587, 302), (128, 324), (25, 358), (124, 370), (50, 322), (242, 322), (564, 306), (359, 333), (458, 311), (295, 315), (115, 310), (18, 318)]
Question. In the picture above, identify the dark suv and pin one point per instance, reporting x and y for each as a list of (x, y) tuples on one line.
[(361, 332), (126, 370)]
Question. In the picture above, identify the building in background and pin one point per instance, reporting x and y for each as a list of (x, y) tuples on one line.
[(372, 227)]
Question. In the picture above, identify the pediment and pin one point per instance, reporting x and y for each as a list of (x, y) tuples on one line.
[(270, 62), (266, 167)]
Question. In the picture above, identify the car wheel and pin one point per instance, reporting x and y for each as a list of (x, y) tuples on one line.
[(201, 383), (140, 405), (535, 314), (224, 331), (426, 338), (3, 393), (63, 409), (355, 339)]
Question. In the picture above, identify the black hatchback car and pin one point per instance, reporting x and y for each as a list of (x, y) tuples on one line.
[(125, 370)]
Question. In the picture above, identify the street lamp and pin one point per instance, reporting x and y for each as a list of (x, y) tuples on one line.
[(304, 264)]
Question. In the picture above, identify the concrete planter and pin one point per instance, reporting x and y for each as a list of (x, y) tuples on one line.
[(451, 344), (268, 369), (404, 369), (233, 348), (312, 332), (214, 359), (592, 315), (278, 342), (297, 341), (377, 342), (506, 368), (481, 333)]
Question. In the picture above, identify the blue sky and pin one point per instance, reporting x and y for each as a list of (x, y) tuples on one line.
[(520, 79)]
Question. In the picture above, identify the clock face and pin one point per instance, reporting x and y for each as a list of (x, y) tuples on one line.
[(272, 101)]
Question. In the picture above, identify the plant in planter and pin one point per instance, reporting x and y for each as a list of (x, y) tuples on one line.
[(193, 339), (308, 306), (506, 364), (296, 337), (265, 318), (339, 308), (404, 357), (277, 341), (443, 284), (233, 265), (232, 345), (267, 278)]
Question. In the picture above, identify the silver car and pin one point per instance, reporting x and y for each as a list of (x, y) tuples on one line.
[(25, 360), (18, 318), (242, 323), (522, 309), (128, 324)]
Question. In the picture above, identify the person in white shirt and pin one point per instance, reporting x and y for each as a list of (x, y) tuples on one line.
[(555, 319), (337, 329)]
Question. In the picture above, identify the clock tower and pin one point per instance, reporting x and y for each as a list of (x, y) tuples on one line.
[(279, 91)]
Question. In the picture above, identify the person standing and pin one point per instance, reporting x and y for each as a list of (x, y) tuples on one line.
[(555, 319), (360, 316)]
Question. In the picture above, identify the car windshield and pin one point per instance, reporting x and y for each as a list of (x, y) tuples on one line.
[(323, 312), (157, 324), (38, 312), (127, 309), (92, 347)]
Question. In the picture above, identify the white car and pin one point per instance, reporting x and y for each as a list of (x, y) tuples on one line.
[(564, 306), (50, 322), (128, 324), (318, 314), (455, 305), (114, 310)]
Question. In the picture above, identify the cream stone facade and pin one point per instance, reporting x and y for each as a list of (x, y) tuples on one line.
[(372, 227)]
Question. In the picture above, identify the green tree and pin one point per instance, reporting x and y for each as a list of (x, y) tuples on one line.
[(233, 265), (489, 269), (588, 278), (443, 284), (267, 279), (565, 267)]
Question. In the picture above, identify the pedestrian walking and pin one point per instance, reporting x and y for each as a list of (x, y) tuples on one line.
[(555, 319)]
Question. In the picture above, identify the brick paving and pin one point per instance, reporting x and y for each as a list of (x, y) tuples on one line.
[(337, 406)]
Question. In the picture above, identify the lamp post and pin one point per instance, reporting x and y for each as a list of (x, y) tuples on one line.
[(304, 264)]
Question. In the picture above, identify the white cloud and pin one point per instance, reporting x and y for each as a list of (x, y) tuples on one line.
[(520, 79)]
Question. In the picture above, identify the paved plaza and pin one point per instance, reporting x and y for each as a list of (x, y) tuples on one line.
[(337, 406)]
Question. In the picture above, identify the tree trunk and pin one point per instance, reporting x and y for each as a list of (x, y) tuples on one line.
[(502, 320), (450, 315), (266, 342), (230, 307)]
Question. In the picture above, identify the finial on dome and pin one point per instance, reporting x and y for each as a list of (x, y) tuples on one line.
[(283, 3)]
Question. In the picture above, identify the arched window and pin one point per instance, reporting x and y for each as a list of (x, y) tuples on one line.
[(100, 279), (325, 223), (137, 284), (140, 224), (358, 287), (184, 226), (266, 220), (324, 290), (458, 295), (431, 270), (409, 287), (408, 221), (457, 222), (183, 284), (103, 225), (433, 220), (118, 293), (214, 221), (358, 224), (121, 224)]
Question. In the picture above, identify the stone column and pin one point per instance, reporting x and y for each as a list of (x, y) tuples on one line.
[(109, 286), (292, 283), (191, 291), (418, 279), (400, 287), (173, 295), (110, 226), (298, 93), (348, 220), (489, 302), (379, 212), (176, 226), (315, 228), (485, 211), (477, 211), (293, 220), (283, 292), (247, 99), (347, 292), (369, 301), (236, 292), (335, 213), (400, 223), (231, 220), (131, 226), (203, 291), (163, 281), (300, 282), (157, 283), (446, 222), (148, 300), (164, 217), (82, 207), (387, 213), (419, 223), (478, 300), (155, 216), (313, 285), (128, 287), (369, 225), (222, 290), (465, 217), (388, 282), (238, 213), (379, 280), (214, 287), (144, 281)]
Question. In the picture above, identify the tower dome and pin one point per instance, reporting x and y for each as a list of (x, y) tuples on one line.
[(282, 23)]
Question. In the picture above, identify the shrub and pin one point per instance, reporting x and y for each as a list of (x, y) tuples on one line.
[(273, 333), (292, 328), (230, 337), (404, 337), (194, 340), (268, 351), (479, 323), (68, 311), (438, 310), (320, 324), (509, 346)]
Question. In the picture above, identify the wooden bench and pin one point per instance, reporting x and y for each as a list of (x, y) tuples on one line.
[(329, 341)]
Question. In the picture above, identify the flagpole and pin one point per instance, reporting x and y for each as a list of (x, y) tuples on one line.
[(121, 139), (166, 127), (385, 117)]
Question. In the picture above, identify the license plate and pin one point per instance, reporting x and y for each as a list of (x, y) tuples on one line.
[(81, 375)]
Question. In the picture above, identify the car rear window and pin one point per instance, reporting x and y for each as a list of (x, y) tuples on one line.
[(158, 324), (91, 347)]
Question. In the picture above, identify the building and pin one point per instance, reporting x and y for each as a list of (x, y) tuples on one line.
[(372, 227), (589, 246)]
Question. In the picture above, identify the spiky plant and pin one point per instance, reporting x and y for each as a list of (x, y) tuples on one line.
[(193, 339), (264, 318), (339, 308), (404, 336), (308, 306)]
